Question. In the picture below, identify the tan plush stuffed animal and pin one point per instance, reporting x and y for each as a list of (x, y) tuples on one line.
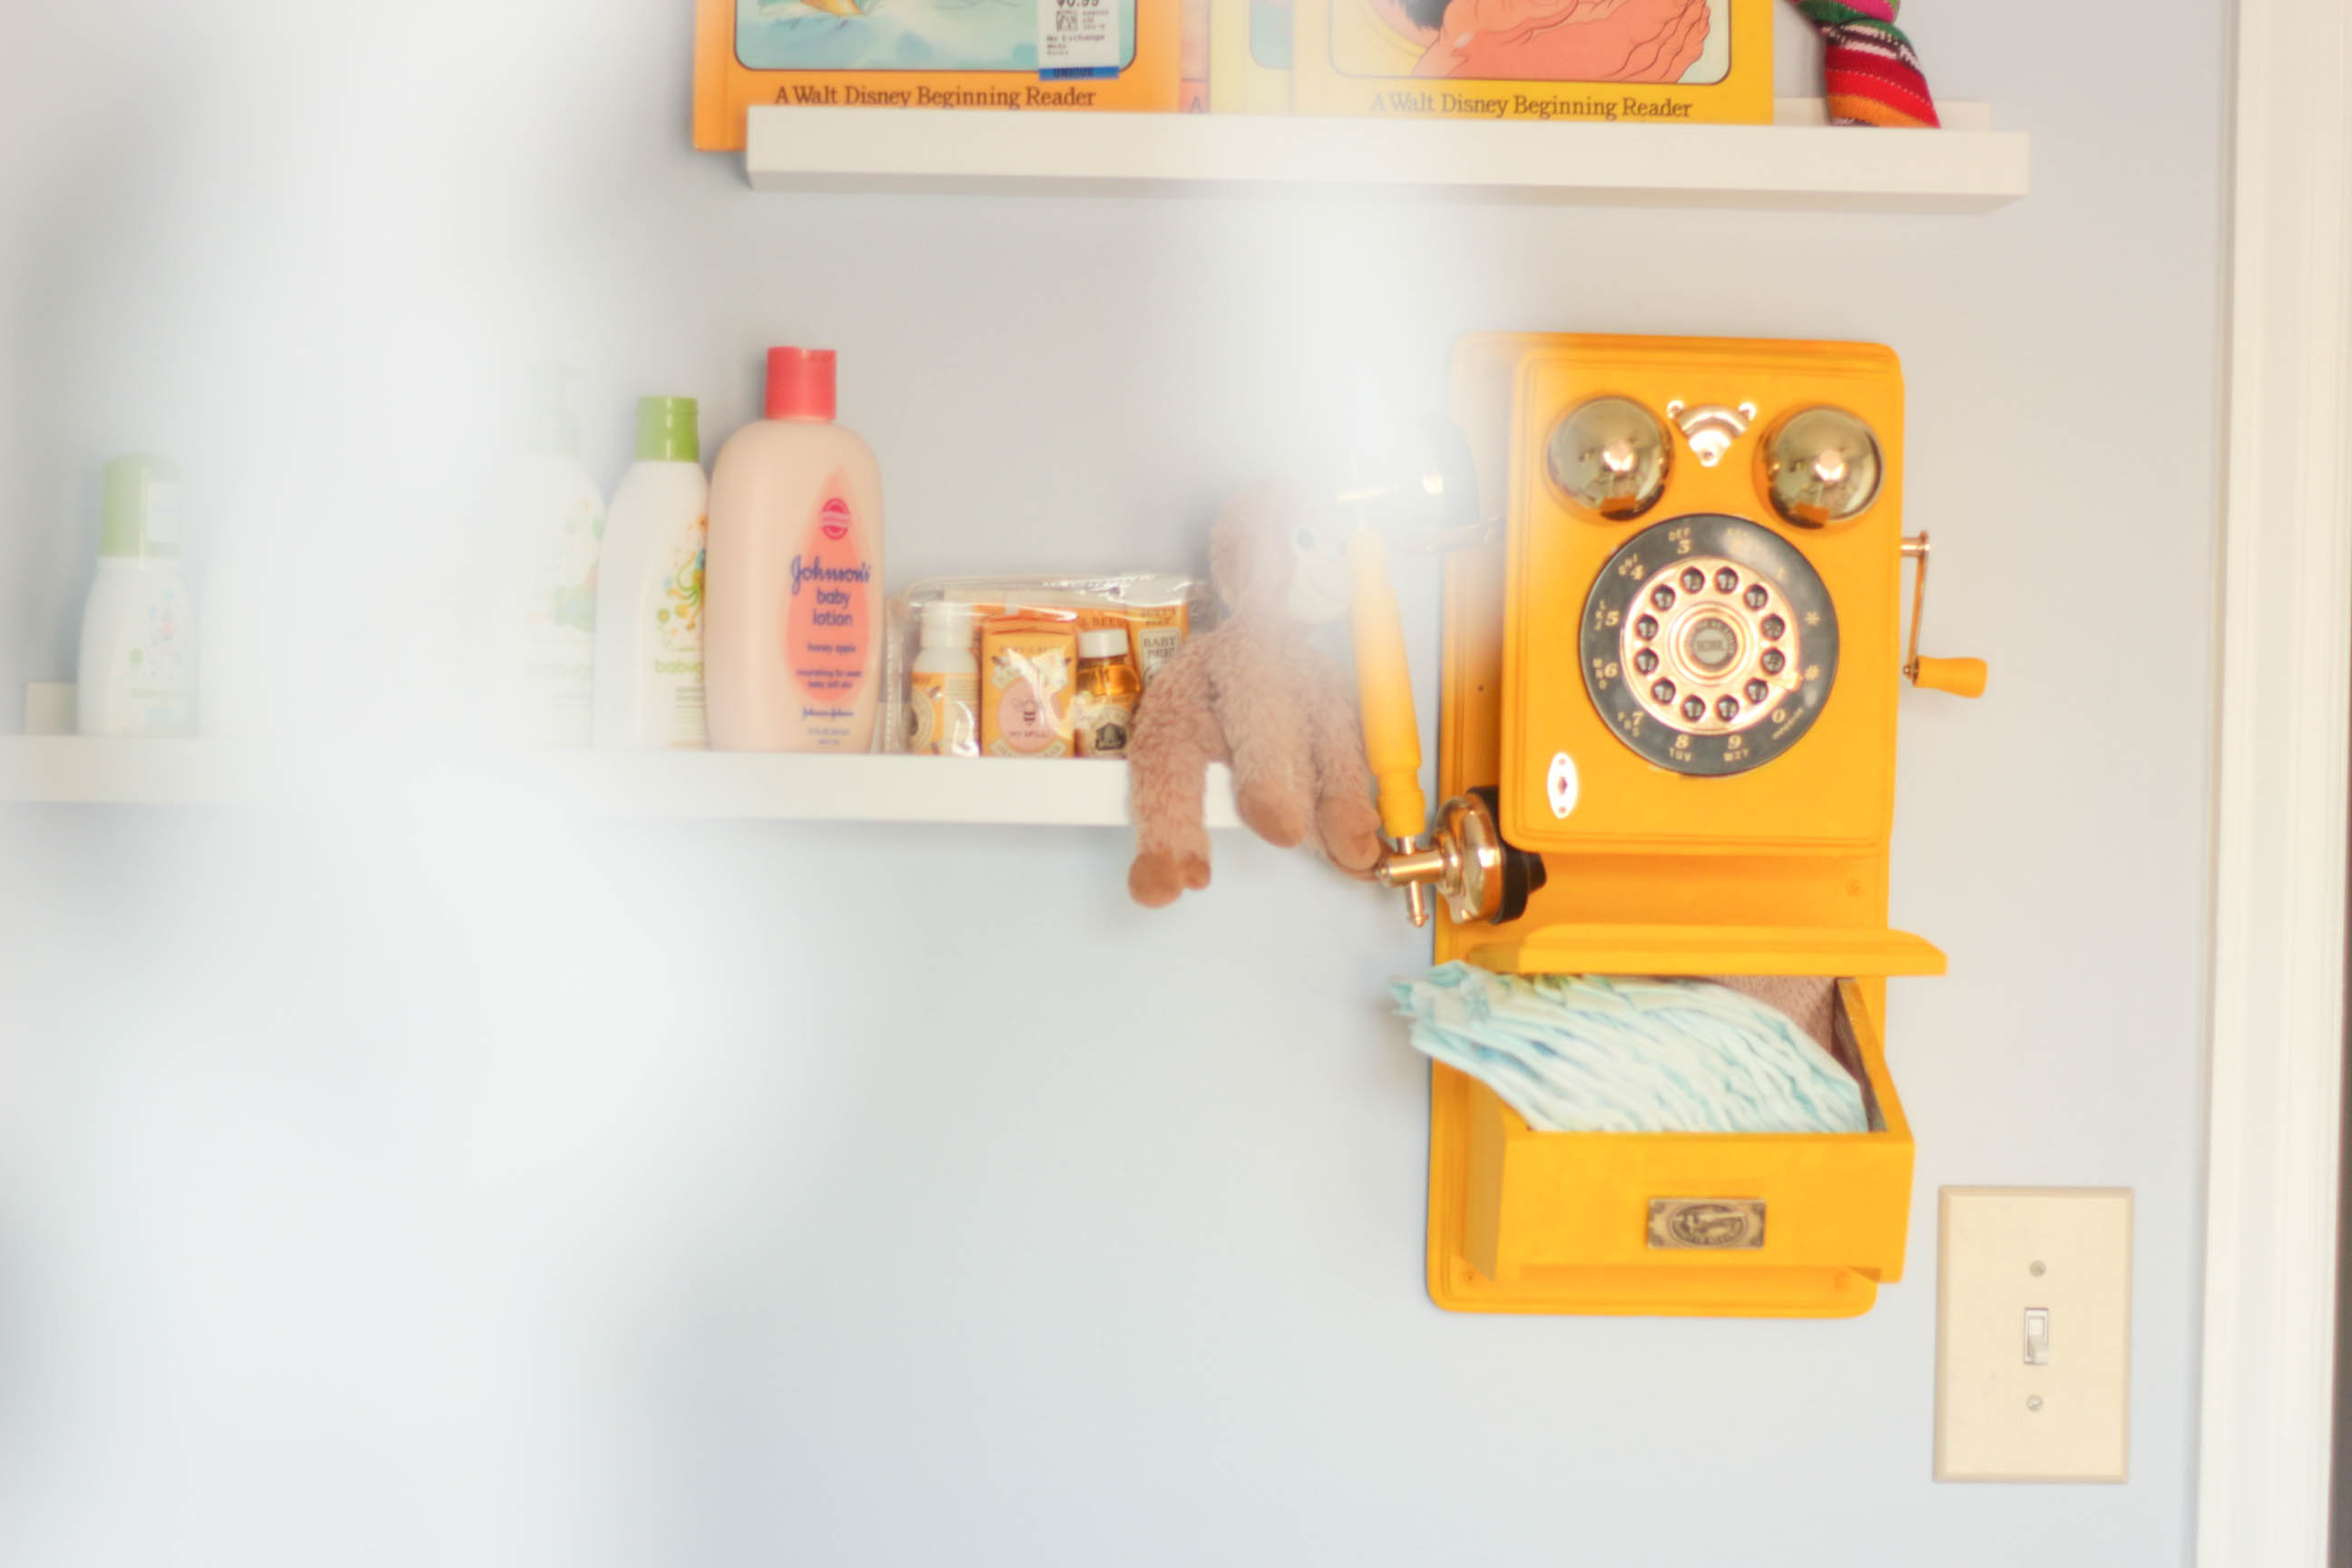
[(1255, 693)]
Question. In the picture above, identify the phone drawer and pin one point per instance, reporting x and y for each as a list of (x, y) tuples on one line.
[(1789, 1224)]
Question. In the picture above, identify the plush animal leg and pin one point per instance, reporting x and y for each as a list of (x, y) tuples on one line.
[(1175, 741), (1270, 810), (1158, 877), (1350, 826), (1274, 784)]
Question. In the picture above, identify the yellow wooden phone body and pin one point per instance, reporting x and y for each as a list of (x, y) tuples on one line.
[(1776, 868)]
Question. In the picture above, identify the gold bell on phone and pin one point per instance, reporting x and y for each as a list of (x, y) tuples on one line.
[(1821, 466), (1610, 455)]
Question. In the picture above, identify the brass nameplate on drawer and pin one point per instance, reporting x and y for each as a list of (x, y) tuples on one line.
[(1722, 1223)]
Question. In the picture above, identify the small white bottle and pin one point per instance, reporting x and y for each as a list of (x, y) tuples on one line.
[(944, 688), (649, 589), (138, 629), (554, 516)]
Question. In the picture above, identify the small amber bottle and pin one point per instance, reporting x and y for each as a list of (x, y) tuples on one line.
[(1108, 689)]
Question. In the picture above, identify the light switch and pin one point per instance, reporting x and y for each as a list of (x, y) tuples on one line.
[(2033, 1335)]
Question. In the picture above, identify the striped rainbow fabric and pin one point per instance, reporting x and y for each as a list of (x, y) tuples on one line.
[(1870, 75)]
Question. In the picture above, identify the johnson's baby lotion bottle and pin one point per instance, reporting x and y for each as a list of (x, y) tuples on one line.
[(791, 656)]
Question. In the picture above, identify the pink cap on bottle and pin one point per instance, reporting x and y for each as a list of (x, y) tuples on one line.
[(800, 384)]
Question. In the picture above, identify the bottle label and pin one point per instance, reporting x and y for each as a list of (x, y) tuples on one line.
[(1154, 646), (943, 714), (675, 647), (1024, 722), (827, 622), (148, 686), (678, 605), (923, 693), (690, 722), (1103, 725), (563, 603), (558, 615)]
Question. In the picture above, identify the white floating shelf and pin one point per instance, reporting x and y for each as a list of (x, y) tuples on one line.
[(1063, 793), (1798, 162), (112, 772), (1069, 794)]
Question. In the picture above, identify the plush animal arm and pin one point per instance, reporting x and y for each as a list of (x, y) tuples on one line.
[(1346, 821), (1167, 756), (1259, 680)]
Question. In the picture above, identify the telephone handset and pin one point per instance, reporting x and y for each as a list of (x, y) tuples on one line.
[(1419, 484)]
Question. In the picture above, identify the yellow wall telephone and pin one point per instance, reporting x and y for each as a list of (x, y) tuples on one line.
[(1668, 747)]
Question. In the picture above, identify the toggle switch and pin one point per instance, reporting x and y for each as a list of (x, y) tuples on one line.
[(2011, 1260)]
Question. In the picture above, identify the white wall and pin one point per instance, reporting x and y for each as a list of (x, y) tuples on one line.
[(380, 1183)]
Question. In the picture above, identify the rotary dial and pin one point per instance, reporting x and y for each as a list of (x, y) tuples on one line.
[(1710, 645)]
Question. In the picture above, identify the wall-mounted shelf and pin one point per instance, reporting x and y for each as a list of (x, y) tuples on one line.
[(68, 768), (1800, 162)]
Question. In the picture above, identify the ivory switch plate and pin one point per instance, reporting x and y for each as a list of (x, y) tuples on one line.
[(2033, 1335)]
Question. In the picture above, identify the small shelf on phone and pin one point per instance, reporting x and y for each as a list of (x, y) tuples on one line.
[(1798, 162), (70, 768)]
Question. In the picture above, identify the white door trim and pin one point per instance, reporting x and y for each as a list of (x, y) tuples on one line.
[(2280, 825)]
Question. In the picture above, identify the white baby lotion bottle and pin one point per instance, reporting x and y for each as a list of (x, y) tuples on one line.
[(649, 588), (138, 630), (792, 650)]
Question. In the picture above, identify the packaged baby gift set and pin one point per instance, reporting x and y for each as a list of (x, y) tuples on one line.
[(1039, 667), (1672, 655)]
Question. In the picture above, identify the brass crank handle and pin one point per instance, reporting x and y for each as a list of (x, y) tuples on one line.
[(1960, 677)]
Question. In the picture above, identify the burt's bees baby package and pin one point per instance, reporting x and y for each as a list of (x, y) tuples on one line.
[(1028, 676), (1031, 667), (929, 54), (1630, 62)]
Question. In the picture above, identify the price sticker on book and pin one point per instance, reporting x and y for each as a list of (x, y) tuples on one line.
[(1078, 36)]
